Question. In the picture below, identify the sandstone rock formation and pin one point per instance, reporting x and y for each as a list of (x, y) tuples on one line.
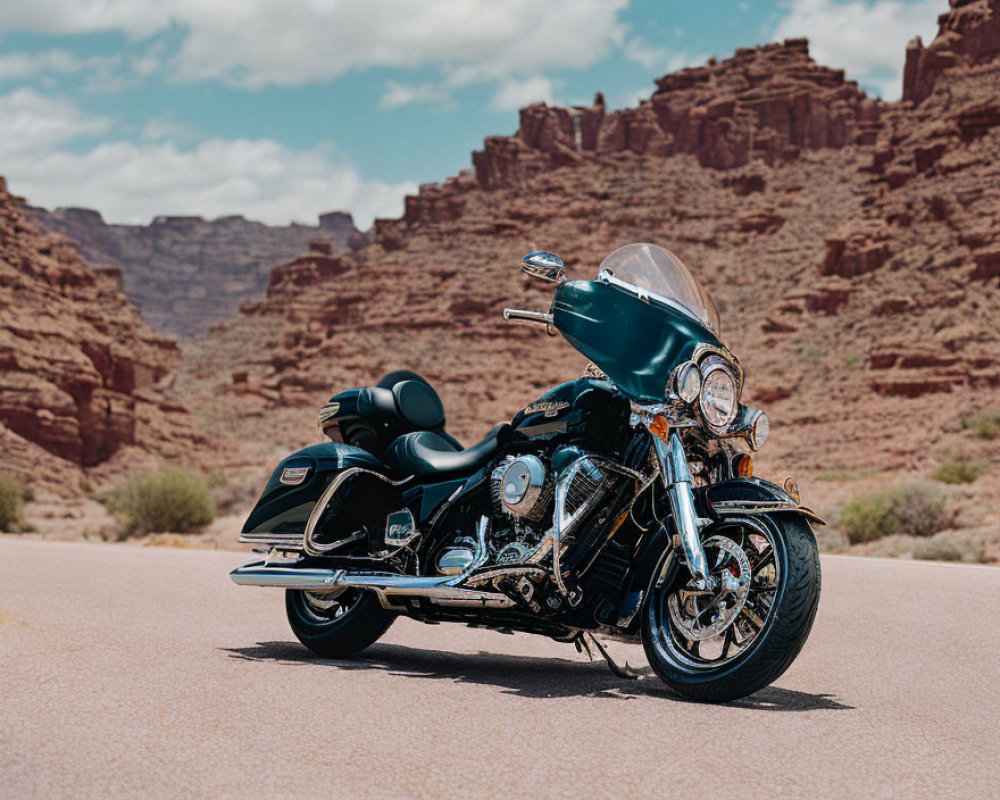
[(187, 273), (81, 377), (853, 247)]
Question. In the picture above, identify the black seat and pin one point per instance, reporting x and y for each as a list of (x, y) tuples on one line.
[(426, 453)]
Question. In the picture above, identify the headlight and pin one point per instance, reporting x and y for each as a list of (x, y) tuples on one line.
[(718, 400), (760, 427), (685, 382)]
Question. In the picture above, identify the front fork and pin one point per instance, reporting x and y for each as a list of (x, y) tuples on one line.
[(677, 481)]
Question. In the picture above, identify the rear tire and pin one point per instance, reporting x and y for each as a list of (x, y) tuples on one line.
[(336, 626), (757, 661)]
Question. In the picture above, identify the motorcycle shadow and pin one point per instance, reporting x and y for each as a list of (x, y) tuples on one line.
[(524, 676)]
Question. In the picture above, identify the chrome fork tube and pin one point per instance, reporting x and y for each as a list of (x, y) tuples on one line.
[(677, 480)]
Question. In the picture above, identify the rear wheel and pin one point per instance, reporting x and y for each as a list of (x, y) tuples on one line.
[(730, 641), (336, 625)]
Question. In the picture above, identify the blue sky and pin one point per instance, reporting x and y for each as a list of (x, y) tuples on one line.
[(280, 109)]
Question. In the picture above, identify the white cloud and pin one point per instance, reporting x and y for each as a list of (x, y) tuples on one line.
[(867, 38), (397, 94), (643, 54), (31, 123), (257, 43), (163, 129), (129, 182), (21, 65), (513, 94)]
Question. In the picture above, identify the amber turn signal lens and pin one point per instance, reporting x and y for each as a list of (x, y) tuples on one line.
[(743, 466), (660, 428)]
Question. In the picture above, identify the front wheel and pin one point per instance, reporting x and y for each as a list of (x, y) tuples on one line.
[(336, 625), (728, 642)]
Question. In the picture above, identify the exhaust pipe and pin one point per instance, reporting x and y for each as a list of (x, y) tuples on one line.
[(386, 585), (444, 590)]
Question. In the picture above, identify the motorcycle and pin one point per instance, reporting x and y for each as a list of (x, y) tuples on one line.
[(622, 504)]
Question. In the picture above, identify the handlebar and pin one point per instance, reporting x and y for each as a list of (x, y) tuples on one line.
[(527, 316), (522, 315)]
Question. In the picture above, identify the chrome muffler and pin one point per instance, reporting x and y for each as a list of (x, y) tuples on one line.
[(443, 590)]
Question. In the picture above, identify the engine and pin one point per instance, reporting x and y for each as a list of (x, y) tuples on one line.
[(523, 488)]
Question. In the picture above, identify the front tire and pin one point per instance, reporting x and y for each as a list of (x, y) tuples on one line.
[(336, 626), (730, 642)]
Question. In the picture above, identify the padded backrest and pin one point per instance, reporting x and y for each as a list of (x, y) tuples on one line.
[(398, 376), (418, 404)]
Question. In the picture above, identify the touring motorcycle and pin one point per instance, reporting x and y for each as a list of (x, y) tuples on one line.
[(621, 504)]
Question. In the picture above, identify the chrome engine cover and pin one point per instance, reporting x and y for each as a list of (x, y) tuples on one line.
[(522, 487)]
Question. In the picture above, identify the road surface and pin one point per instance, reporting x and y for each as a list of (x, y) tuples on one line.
[(143, 672)]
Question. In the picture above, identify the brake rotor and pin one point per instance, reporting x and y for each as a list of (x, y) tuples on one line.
[(702, 614)]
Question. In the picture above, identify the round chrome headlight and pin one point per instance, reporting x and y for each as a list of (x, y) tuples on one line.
[(718, 401), (685, 382), (760, 427)]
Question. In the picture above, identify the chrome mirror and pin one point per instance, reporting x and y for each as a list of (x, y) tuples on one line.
[(544, 265)]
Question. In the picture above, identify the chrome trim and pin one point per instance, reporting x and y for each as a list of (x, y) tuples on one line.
[(677, 481), (678, 377), (519, 493), (279, 540), (543, 265), (701, 350), (765, 507), (523, 315), (308, 545), (504, 572), (706, 371), (605, 276), (444, 590), (676, 416)]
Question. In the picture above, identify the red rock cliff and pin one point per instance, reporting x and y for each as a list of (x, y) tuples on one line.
[(79, 369)]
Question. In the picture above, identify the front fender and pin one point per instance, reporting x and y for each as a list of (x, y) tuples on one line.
[(717, 500), (748, 496)]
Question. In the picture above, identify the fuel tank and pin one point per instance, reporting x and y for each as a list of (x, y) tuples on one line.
[(588, 412)]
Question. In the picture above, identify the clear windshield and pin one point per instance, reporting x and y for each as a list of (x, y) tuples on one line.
[(651, 270)]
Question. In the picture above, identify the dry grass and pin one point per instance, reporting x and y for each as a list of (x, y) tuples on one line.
[(959, 468), (943, 550), (914, 509)]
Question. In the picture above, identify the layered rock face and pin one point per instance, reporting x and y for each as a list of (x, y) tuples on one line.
[(81, 374), (187, 273), (768, 103), (851, 245)]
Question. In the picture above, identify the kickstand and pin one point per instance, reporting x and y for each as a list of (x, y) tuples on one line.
[(582, 645)]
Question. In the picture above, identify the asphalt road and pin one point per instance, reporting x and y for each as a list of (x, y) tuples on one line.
[(143, 672)]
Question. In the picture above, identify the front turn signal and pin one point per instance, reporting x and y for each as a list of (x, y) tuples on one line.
[(660, 428), (743, 466)]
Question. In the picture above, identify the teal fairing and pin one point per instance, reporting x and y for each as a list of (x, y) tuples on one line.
[(635, 342)]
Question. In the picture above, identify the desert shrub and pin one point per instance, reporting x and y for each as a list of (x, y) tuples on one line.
[(915, 509), (172, 500), (959, 468), (985, 426), (936, 550), (11, 499)]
